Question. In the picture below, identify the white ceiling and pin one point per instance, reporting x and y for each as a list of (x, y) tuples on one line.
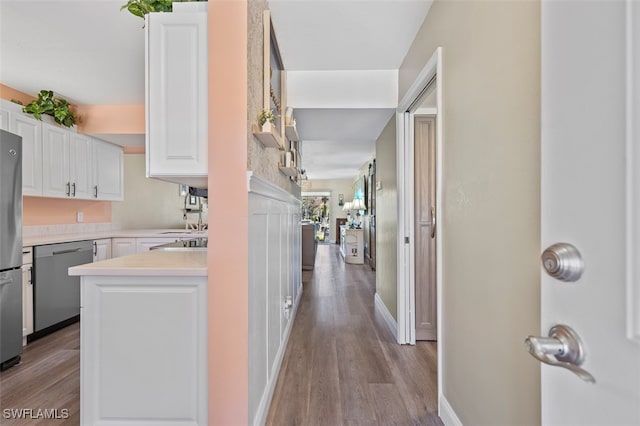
[(92, 53)]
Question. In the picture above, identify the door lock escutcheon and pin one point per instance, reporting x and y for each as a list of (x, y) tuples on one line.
[(563, 262), (563, 348)]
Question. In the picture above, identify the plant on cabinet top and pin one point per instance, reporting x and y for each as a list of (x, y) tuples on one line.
[(57, 108), (142, 7)]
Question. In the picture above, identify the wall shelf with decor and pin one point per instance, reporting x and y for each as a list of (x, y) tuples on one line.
[(289, 171), (270, 139), (291, 133)]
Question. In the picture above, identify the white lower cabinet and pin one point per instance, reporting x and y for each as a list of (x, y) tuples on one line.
[(102, 249), (127, 246), (145, 244), (144, 350), (123, 247), (27, 292)]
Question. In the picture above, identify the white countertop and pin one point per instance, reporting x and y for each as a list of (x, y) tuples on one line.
[(124, 233), (151, 263)]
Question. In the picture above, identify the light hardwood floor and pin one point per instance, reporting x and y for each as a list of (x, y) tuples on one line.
[(47, 378), (342, 365)]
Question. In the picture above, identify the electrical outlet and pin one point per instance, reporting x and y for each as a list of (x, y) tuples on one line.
[(80, 217)]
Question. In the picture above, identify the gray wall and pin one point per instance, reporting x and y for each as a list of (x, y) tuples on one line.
[(491, 209), (387, 218)]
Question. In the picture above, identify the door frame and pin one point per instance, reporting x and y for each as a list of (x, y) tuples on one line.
[(633, 175), (405, 175)]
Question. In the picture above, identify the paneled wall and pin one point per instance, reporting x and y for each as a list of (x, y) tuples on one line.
[(275, 276)]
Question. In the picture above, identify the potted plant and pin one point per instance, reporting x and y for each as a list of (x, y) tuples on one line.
[(266, 119), (57, 108), (142, 7)]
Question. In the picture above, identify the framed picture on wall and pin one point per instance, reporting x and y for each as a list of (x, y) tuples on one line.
[(360, 190)]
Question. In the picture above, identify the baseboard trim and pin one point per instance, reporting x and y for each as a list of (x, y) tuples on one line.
[(446, 413), (265, 401), (386, 315)]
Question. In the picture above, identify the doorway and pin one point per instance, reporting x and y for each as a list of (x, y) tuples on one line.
[(316, 209), (427, 85)]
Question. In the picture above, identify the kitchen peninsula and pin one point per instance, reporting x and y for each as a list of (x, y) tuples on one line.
[(143, 338)]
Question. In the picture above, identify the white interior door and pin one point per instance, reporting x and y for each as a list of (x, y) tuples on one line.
[(590, 81)]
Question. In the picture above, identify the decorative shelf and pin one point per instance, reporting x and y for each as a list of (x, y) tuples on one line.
[(291, 133), (289, 171), (268, 139)]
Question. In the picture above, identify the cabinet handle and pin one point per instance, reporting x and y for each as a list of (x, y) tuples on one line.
[(73, 189), (68, 189), (95, 188), (95, 248)]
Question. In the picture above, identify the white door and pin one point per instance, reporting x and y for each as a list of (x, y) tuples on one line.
[(55, 161), (108, 171), (588, 195)]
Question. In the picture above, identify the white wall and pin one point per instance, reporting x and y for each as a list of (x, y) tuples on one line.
[(148, 203)]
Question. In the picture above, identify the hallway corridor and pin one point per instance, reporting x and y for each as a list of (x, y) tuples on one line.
[(342, 366)]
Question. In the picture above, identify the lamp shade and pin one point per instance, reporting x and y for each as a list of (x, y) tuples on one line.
[(358, 204), (347, 206)]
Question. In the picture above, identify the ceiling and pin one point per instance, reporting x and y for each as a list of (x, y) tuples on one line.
[(92, 53)]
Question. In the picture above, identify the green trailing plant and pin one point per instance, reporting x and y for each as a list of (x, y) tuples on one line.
[(142, 7), (57, 108)]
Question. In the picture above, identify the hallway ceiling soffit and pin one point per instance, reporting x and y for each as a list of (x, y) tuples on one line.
[(342, 59)]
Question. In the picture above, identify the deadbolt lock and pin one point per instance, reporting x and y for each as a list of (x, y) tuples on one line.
[(563, 262)]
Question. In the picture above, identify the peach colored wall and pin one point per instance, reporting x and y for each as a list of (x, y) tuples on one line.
[(53, 211), (116, 119), (134, 149), (9, 93), (228, 253)]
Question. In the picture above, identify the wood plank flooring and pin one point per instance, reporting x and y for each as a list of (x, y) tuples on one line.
[(342, 366), (47, 378)]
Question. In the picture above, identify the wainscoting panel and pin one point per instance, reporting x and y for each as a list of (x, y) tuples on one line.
[(275, 278)]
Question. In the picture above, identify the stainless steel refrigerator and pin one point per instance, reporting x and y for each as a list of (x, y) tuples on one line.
[(10, 249)]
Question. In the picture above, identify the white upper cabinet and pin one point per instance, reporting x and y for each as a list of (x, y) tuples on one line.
[(81, 165), (108, 171), (177, 97), (58, 162), (4, 120), (66, 164), (55, 163), (13, 120)]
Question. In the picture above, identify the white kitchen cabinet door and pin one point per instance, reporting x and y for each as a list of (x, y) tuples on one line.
[(27, 293), (80, 165), (177, 97), (4, 120), (55, 161), (145, 244), (108, 171), (122, 247), (102, 249), (144, 350), (31, 131)]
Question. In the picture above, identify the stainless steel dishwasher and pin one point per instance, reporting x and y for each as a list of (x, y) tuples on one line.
[(56, 295)]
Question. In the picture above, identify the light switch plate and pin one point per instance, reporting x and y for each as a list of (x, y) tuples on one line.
[(80, 217)]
